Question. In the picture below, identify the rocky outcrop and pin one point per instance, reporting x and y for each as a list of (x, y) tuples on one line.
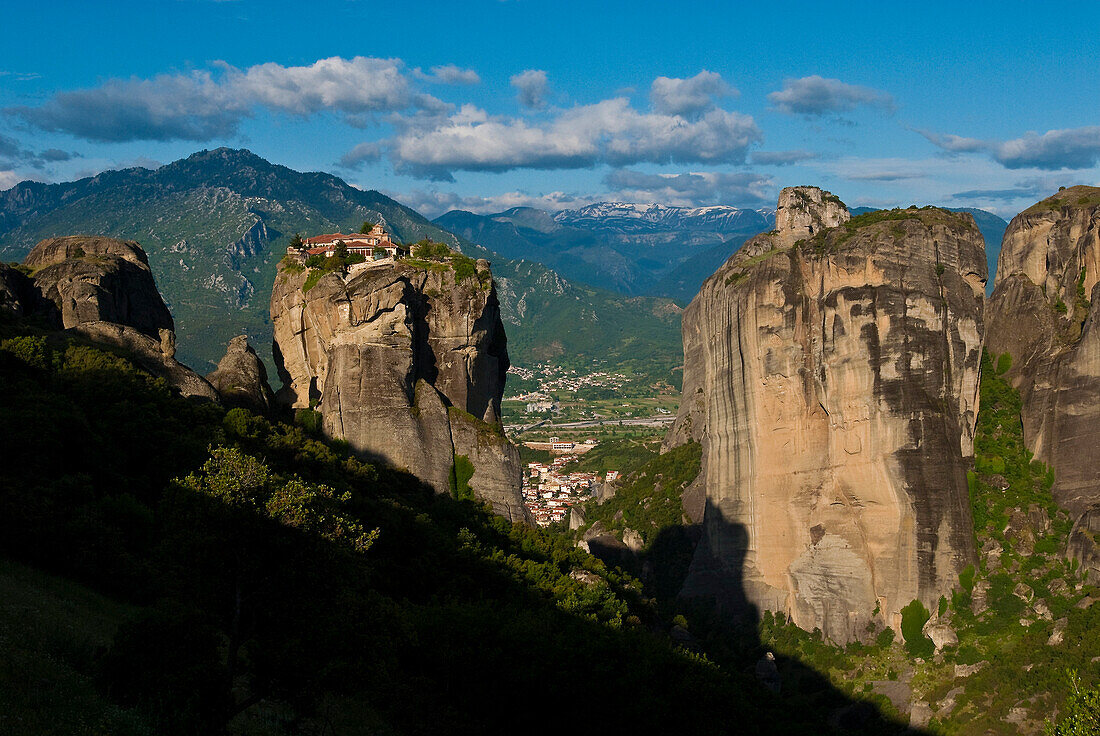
[(1043, 313), (803, 212), (103, 290), (833, 383), (241, 378), (93, 279), (406, 364)]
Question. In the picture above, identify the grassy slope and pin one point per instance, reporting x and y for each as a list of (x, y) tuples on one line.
[(258, 567), (51, 630)]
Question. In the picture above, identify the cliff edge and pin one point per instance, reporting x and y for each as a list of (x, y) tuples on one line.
[(832, 380)]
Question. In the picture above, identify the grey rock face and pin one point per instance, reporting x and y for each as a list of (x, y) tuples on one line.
[(406, 365), (94, 279), (833, 385), (103, 290), (241, 378), (1043, 313)]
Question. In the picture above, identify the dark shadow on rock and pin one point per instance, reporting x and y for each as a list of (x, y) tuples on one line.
[(680, 573)]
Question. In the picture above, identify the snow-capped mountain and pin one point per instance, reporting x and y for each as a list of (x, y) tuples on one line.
[(624, 217)]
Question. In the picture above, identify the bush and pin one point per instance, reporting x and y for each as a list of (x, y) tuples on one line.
[(461, 472), (311, 280), (430, 251), (309, 420), (913, 618)]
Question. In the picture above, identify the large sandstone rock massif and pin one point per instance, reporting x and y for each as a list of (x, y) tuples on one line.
[(833, 383), (1043, 313), (407, 364), (103, 289)]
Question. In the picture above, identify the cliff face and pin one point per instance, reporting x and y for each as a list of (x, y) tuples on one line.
[(103, 290), (1043, 313), (406, 365), (833, 383)]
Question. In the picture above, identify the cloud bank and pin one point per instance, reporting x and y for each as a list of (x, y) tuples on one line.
[(205, 105), (1070, 148)]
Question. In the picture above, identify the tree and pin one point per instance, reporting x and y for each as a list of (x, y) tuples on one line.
[(1080, 714), (296, 241), (341, 250), (367, 225)]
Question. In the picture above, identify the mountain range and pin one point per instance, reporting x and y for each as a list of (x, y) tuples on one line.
[(216, 224), (638, 249)]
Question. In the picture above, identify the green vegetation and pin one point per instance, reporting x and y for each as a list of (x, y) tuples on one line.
[(999, 451), (1080, 714), (427, 251), (832, 239), (461, 472), (913, 618), (314, 276), (1080, 196), (648, 499), (291, 265), (247, 574), (623, 454)]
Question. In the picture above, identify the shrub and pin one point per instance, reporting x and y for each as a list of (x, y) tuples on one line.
[(1004, 363), (309, 420), (430, 251), (314, 276), (913, 618), (461, 472), (885, 638), (966, 578)]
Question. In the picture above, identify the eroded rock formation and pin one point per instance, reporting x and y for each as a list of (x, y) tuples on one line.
[(102, 289), (833, 383), (1043, 313), (241, 378), (405, 364)]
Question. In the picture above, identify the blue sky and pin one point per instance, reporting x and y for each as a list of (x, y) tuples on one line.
[(485, 104)]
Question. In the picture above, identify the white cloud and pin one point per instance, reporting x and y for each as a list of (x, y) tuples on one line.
[(690, 96), (1070, 148), (448, 74), (531, 86), (781, 158), (692, 189), (815, 96), (607, 132), (9, 179), (205, 105), (435, 203)]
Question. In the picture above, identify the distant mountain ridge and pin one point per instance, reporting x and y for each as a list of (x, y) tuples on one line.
[(626, 247), (628, 217), (216, 223)]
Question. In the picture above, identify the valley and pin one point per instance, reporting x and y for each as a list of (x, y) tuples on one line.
[(839, 493)]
